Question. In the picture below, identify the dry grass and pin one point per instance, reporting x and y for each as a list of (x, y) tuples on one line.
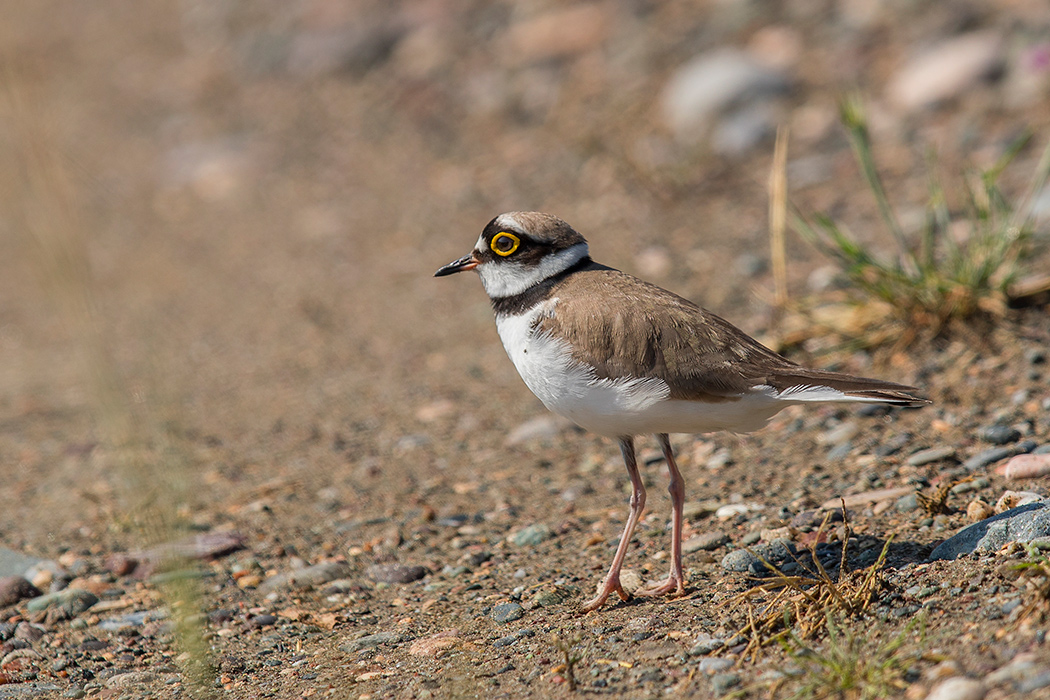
[(799, 605), (960, 265)]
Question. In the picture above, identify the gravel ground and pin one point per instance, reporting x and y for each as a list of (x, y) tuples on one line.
[(220, 338)]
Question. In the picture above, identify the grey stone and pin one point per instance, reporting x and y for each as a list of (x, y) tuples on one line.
[(395, 573), (531, 535), (14, 563), (700, 90), (742, 560), (1022, 524), (983, 459), (946, 70), (713, 664), (15, 588), (131, 620), (24, 691), (705, 644), (705, 541), (71, 602), (370, 641), (999, 434), (907, 504), (307, 577), (507, 612), (721, 683), (933, 454)]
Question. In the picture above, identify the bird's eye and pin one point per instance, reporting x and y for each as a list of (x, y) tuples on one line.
[(504, 243)]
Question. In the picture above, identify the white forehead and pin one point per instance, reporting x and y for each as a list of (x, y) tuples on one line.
[(508, 221)]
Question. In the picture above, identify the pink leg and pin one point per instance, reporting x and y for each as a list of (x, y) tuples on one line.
[(612, 580), (675, 582)]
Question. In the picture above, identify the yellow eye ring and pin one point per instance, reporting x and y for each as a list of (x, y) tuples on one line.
[(504, 252)]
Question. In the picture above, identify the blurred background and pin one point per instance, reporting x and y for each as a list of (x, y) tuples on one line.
[(220, 219)]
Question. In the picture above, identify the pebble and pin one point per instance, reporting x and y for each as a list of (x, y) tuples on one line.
[(14, 563), (713, 664), (950, 68), (435, 644), (705, 541), (999, 434), (983, 459), (71, 602), (970, 485), (1022, 524), (507, 612), (1026, 466), (863, 499), (977, 510), (513, 638), (928, 456), (1015, 499), (710, 83), (544, 427), (732, 510), (370, 641), (531, 535), (958, 688), (721, 683), (554, 596), (742, 560), (395, 573), (307, 577), (130, 679), (16, 588), (705, 644), (131, 620)]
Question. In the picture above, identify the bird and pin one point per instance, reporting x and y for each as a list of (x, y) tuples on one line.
[(621, 357)]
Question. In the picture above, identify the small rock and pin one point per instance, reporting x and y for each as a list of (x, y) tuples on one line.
[(732, 510), (863, 499), (712, 665), (554, 596), (1022, 524), (531, 535), (260, 621), (721, 683), (395, 573), (928, 456), (958, 688), (977, 510), (14, 563), (705, 541), (433, 645), (130, 679), (307, 577), (712, 82), (559, 32), (507, 612), (70, 602), (705, 644), (1015, 499), (543, 427), (949, 69), (16, 588), (742, 560), (1026, 466), (983, 459), (370, 641), (999, 434), (907, 504), (120, 564), (29, 632)]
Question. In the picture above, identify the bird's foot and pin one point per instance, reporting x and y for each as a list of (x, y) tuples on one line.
[(672, 586), (611, 585)]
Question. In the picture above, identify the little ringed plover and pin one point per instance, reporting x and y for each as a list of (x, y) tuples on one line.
[(621, 357)]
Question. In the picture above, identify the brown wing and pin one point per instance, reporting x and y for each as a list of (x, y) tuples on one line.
[(638, 329)]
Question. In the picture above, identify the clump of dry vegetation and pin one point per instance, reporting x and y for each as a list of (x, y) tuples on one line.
[(798, 606), (959, 265)]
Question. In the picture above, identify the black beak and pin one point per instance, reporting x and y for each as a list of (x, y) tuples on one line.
[(467, 262)]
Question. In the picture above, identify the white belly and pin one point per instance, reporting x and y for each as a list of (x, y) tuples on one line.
[(616, 407)]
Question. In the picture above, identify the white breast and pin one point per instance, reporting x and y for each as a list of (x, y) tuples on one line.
[(616, 407)]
